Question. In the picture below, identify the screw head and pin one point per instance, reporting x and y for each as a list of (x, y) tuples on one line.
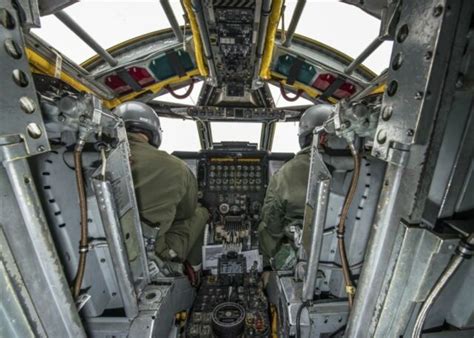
[(387, 113), (41, 148), (437, 11), (410, 132), (382, 136), (419, 95)]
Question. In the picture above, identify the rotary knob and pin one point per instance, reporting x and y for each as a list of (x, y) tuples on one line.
[(224, 208)]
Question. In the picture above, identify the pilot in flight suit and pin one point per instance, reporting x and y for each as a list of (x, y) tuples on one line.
[(286, 194), (165, 188)]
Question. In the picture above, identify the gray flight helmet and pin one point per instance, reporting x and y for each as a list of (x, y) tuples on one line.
[(140, 117), (313, 117)]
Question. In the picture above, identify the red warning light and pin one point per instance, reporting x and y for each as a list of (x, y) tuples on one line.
[(118, 85), (345, 90), (141, 76), (323, 81)]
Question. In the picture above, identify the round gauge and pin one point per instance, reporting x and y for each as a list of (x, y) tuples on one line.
[(228, 319)]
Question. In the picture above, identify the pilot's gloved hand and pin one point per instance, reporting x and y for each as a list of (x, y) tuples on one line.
[(285, 259)]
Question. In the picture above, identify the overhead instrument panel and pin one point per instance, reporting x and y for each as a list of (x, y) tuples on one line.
[(233, 27), (234, 38)]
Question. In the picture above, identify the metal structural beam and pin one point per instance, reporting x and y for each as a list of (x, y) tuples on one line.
[(27, 232), (315, 217), (364, 55), (206, 43), (20, 111), (294, 22), (118, 251), (262, 33), (165, 4), (409, 134), (84, 36)]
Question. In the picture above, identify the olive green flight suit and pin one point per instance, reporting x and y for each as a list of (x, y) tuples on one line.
[(166, 192), (284, 203)]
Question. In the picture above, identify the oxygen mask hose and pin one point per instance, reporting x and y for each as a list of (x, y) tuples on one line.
[(350, 290), (83, 244)]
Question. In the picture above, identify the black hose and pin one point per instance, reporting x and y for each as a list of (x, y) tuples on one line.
[(298, 318), (181, 96), (288, 98)]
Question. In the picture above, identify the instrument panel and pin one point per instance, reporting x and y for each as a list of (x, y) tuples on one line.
[(230, 304), (233, 187), (234, 174), (232, 180)]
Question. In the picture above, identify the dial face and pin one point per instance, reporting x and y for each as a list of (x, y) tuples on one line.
[(231, 176)]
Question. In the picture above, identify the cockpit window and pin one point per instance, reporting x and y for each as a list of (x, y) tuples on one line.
[(345, 28), (285, 139), (179, 135), (108, 22), (236, 131), (338, 25)]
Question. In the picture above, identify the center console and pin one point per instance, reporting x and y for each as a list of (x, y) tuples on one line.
[(232, 180)]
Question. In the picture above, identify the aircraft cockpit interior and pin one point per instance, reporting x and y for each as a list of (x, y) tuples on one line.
[(232, 176)]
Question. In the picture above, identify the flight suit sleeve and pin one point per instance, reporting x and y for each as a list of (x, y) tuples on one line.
[(168, 223), (271, 227)]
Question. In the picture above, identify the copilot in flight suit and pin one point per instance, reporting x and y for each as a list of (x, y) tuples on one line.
[(284, 203), (286, 194)]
